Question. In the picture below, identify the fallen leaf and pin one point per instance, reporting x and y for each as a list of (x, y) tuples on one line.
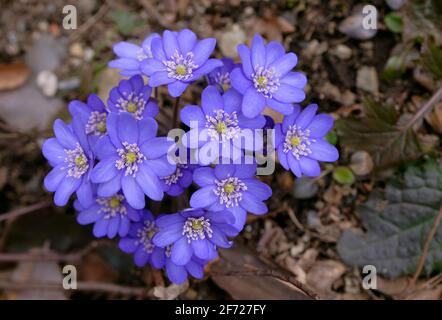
[(13, 76), (170, 292), (323, 274)]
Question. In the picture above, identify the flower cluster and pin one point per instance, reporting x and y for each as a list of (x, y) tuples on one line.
[(112, 157)]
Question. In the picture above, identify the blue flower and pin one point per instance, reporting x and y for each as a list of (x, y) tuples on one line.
[(130, 55), (179, 59), (220, 77), (70, 155), (133, 97), (266, 79), (300, 143), (177, 182), (218, 128), (133, 161), (194, 232), (139, 241), (110, 215), (92, 115), (232, 187)]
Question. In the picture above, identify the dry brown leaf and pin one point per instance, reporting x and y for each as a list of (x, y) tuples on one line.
[(435, 118), (13, 76), (323, 274)]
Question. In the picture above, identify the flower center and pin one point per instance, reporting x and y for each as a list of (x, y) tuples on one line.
[(145, 235), (298, 141), (112, 206), (179, 67), (223, 79), (132, 107), (197, 228), (132, 103), (77, 162), (265, 81), (96, 123), (130, 158), (223, 126), (173, 178), (229, 191)]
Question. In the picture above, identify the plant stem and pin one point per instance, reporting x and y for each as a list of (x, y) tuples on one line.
[(175, 113), (425, 108)]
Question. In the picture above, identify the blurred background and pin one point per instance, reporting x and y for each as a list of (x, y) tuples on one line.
[(379, 205)]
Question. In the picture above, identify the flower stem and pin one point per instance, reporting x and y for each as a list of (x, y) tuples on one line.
[(175, 112)]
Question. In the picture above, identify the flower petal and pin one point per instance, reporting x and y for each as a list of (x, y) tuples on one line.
[(160, 78), (181, 252), (258, 52), (309, 167), (252, 204), (274, 50), (284, 64), (132, 192), (323, 151), (320, 125), (253, 103), (203, 197), (170, 43), (149, 183), (64, 191), (244, 54), (239, 80), (204, 249), (186, 40), (192, 116), (288, 94), (204, 176), (211, 100), (202, 50)]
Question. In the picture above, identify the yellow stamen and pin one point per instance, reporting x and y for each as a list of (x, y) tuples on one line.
[(114, 202), (197, 225), (262, 80), (181, 70), (101, 126), (132, 107), (131, 157), (229, 188), (296, 141), (221, 127), (80, 161)]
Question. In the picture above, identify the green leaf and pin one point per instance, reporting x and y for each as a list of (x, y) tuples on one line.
[(126, 22), (378, 133), (394, 68), (398, 221), (343, 175), (331, 138), (393, 22), (432, 59)]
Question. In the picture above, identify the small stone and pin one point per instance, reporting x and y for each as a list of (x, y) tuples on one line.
[(76, 50), (313, 221), (229, 40), (361, 163), (352, 26), (47, 81), (396, 4), (367, 79), (88, 54), (305, 187), (342, 52)]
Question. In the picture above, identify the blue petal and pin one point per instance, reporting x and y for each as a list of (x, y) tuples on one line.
[(109, 188), (258, 189), (239, 80), (203, 197), (258, 52), (244, 54), (156, 147), (204, 249), (295, 79), (202, 50), (100, 228), (186, 40), (252, 204), (192, 116), (161, 166), (54, 178), (195, 269), (281, 107), (309, 167), (208, 66), (204, 176), (219, 238), (149, 183), (128, 245), (306, 116), (65, 189), (177, 88), (168, 235), (84, 193), (274, 50), (158, 258), (253, 103), (160, 78), (169, 219), (320, 125), (290, 119), (147, 129), (132, 192), (181, 252), (323, 151), (176, 274), (282, 157), (211, 100), (223, 171), (232, 101), (105, 170), (150, 66), (127, 128), (170, 44), (141, 257), (113, 227), (284, 64), (126, 49), (288, 94), (89, 216), (64, 135), (294, 165)]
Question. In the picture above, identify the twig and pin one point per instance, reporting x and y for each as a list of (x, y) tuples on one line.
[(274, 274), (24, 210), (425, 108), (51, 256), (83, 286), (89, 23), (425, 248)]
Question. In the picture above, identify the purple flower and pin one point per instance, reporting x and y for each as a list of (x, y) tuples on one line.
[(266, 79), (133, 97), (194, 232), (218, 128), (110, 216), (139, 241), (177, 182), (130, 55), (220, 77), (133, 161), (179, 59), (232, 187), (92, 115), (300, 143), (70, 155)]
